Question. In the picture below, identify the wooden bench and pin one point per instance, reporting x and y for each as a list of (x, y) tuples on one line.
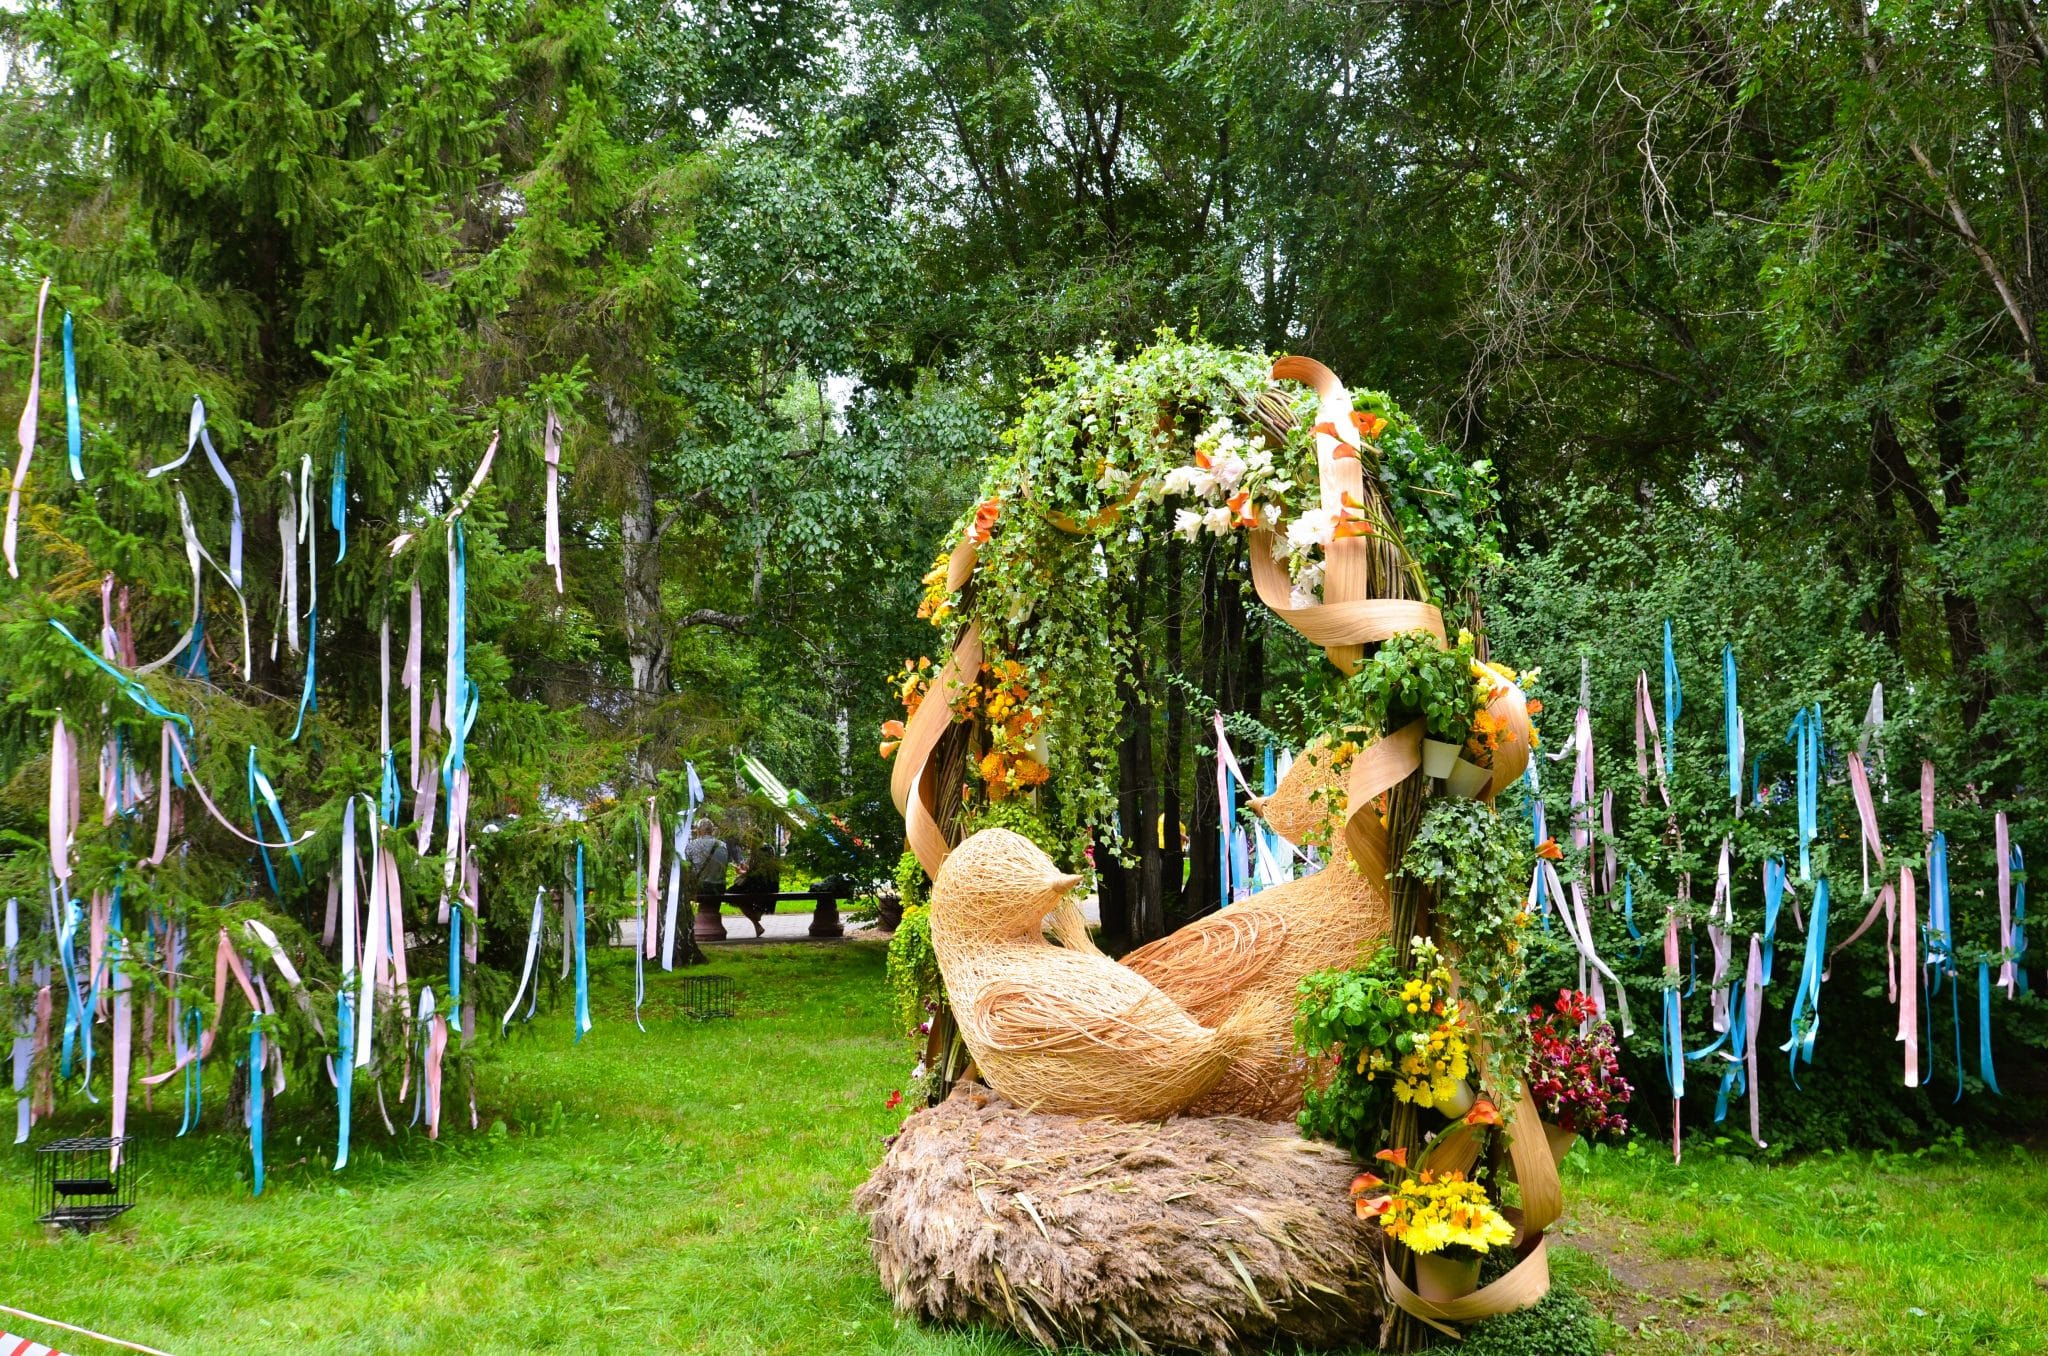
[(710, 924)]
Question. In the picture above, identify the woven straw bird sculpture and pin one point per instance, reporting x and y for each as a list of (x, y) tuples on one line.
[(1061, 1030), (1245, 962)]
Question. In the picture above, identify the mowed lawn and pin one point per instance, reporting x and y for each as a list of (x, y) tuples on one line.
[(686, 1189)]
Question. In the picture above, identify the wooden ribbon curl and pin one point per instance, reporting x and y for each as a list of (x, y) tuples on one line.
[(1456, 1150), (916, 798)]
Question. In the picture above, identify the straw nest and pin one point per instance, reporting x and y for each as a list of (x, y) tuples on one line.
[(1207, 1234), (1246, 962), (1057, 1029)]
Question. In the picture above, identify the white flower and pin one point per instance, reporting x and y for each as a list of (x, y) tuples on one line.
[(1317, 527), (1188, 481), (1218, 521), (1268, 515), (1187, 523), (1227, 467)]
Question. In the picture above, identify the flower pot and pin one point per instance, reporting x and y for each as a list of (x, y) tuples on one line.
[(1460, 1101), (1442, 1276), (1439, 757), (1469, 780), (1561, 1141)]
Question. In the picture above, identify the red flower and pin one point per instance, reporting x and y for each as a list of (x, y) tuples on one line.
[(895, 1099)]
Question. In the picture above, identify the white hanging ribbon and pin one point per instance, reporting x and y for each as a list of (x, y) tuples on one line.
[(532, 952), (551, 453), (196, 435), (25, 433)]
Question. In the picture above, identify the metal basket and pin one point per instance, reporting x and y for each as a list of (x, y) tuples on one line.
[(706, 996), (78, 1184)]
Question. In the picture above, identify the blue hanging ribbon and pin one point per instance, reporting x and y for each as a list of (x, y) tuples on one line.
[(1731, 716), (582, 968), (1628, 907), (73, 433), (1674, 1040), (130, 688), (259, 785), (337, 494), (1984, 1070), (1538, 831), (1804, 736), (1736, 1077), (387, 791), (2019, 916), (344, 1070), (1674, 702), (67, 960), (256, 1107), (309, 700), (1940, 940), (455, 964), (1774, 900), (194, 1072), (191, 660), (1806, 1025)]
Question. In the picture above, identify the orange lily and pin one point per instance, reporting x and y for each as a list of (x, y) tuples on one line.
[(1325, 427), (1549, 850), (1372, 1207), (1202, 459), (1398, 1157), (1368, 424), (1482, 1113), (985, 520), (888, 747)]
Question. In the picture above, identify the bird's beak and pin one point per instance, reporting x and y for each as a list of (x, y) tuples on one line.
[(1057, 886)]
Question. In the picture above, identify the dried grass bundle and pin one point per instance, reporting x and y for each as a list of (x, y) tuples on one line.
[(1207, 1234)]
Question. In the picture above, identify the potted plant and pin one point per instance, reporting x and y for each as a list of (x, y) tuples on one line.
[(1444, 1218), (1575, 1074), (1413, 677), (1385, 1036)]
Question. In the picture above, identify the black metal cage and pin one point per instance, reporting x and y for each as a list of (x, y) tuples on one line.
[(85, 1181), (708, 996)]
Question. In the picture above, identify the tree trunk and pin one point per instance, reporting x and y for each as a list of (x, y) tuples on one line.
[(1205, 878), (1176, 734), (1148, 912), (648, 642)]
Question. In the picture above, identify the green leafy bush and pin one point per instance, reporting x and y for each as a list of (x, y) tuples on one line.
[(1409, 676), (1478, 862), (914, 979), (1561, 1324)]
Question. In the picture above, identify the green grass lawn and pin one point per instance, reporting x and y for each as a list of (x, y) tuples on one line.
[(686, 1190)]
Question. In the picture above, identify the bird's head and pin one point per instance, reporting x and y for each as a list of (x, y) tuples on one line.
[(999, 879)]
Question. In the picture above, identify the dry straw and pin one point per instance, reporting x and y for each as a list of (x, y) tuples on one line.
[(1055, 1029)]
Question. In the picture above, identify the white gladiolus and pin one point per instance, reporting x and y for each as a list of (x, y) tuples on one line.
[(1316, 527), (1187, 523), (1218, 520), (1184, 481), (1227, 467)]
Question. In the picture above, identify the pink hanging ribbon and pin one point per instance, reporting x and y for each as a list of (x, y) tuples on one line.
[(63, 798), (1885, 903), (25, 434), (652, 926), (1909, 967), (225, 959)]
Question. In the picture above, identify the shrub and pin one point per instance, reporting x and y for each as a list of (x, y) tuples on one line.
[(1561, 1324)]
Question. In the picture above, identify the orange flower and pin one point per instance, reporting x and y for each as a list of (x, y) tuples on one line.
[(985, 520), (1368, 424), (1202, 459), (1482, 1113), (1535, 708), (1237, 505), (1372, 1207), (1549, 850), (893, 728), (1364, 1182), (1398, 1157), (1325, 427), (887, 748)]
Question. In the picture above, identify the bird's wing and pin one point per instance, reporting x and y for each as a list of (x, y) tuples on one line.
[(1201, 966)]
